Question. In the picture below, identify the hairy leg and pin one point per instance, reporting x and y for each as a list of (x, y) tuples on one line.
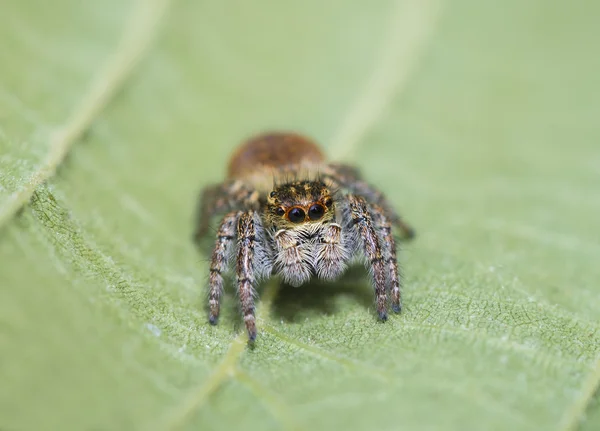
[(388, 249), (219, 262), (331, 254), (362, 223), (246, 270), (350, 178), (219, 198)]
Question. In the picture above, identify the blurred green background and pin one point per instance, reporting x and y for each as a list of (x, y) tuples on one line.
[(480, 121)]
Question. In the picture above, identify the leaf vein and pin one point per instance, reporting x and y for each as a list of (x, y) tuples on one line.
[(411, 26), (574, 415), (195, 399), (137, 37), (279, 410)]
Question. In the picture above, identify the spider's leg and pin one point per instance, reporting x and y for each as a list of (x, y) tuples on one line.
[(220, 198), (246, 271), (206, 203), (408, 232), (219, 262), (362, 223), (388, 249), (350, 178)]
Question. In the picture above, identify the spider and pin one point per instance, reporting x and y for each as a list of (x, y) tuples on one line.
[(287, 212)]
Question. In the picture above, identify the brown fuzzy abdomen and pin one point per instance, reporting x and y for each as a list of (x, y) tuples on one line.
[(272, 150)]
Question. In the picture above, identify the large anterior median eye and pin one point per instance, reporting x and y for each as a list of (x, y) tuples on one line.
[(316, 211), (296, 215)]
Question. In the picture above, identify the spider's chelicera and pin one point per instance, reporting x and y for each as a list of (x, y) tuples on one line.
[(287, 212)]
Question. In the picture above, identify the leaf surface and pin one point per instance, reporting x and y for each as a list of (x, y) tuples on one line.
[(479, 121)]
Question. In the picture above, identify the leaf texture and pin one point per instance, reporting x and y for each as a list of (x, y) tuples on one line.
[(477, 119)]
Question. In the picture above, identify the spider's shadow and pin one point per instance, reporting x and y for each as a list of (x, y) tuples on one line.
[(293, 304)]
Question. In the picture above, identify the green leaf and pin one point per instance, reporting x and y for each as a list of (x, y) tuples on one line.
[(479, 120)]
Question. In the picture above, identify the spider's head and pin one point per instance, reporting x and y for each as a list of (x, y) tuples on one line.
[(297, 203)]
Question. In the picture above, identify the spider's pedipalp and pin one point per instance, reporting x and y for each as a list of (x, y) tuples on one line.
[(292, 258), (331, 253)]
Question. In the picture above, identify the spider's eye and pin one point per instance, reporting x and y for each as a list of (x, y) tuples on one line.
[(280, 211), (316, 211), (296, 215), (327, 201), (272, 194)]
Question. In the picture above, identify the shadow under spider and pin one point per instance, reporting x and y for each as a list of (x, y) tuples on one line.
[(292, 304)]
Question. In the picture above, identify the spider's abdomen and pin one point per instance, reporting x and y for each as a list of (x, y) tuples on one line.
[(273, 150)]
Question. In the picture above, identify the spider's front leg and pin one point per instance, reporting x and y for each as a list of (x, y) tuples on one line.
[(219, 262), (388, 249), (361, 221), (246, 270)]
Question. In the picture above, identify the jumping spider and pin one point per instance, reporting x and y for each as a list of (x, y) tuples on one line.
[(290, 213)]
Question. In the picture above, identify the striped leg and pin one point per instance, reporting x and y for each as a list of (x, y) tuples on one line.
[(219, 262), (388, 248), (368, 239), (246, 271)]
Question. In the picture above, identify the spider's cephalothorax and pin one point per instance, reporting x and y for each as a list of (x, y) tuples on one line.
[(288, 213)]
